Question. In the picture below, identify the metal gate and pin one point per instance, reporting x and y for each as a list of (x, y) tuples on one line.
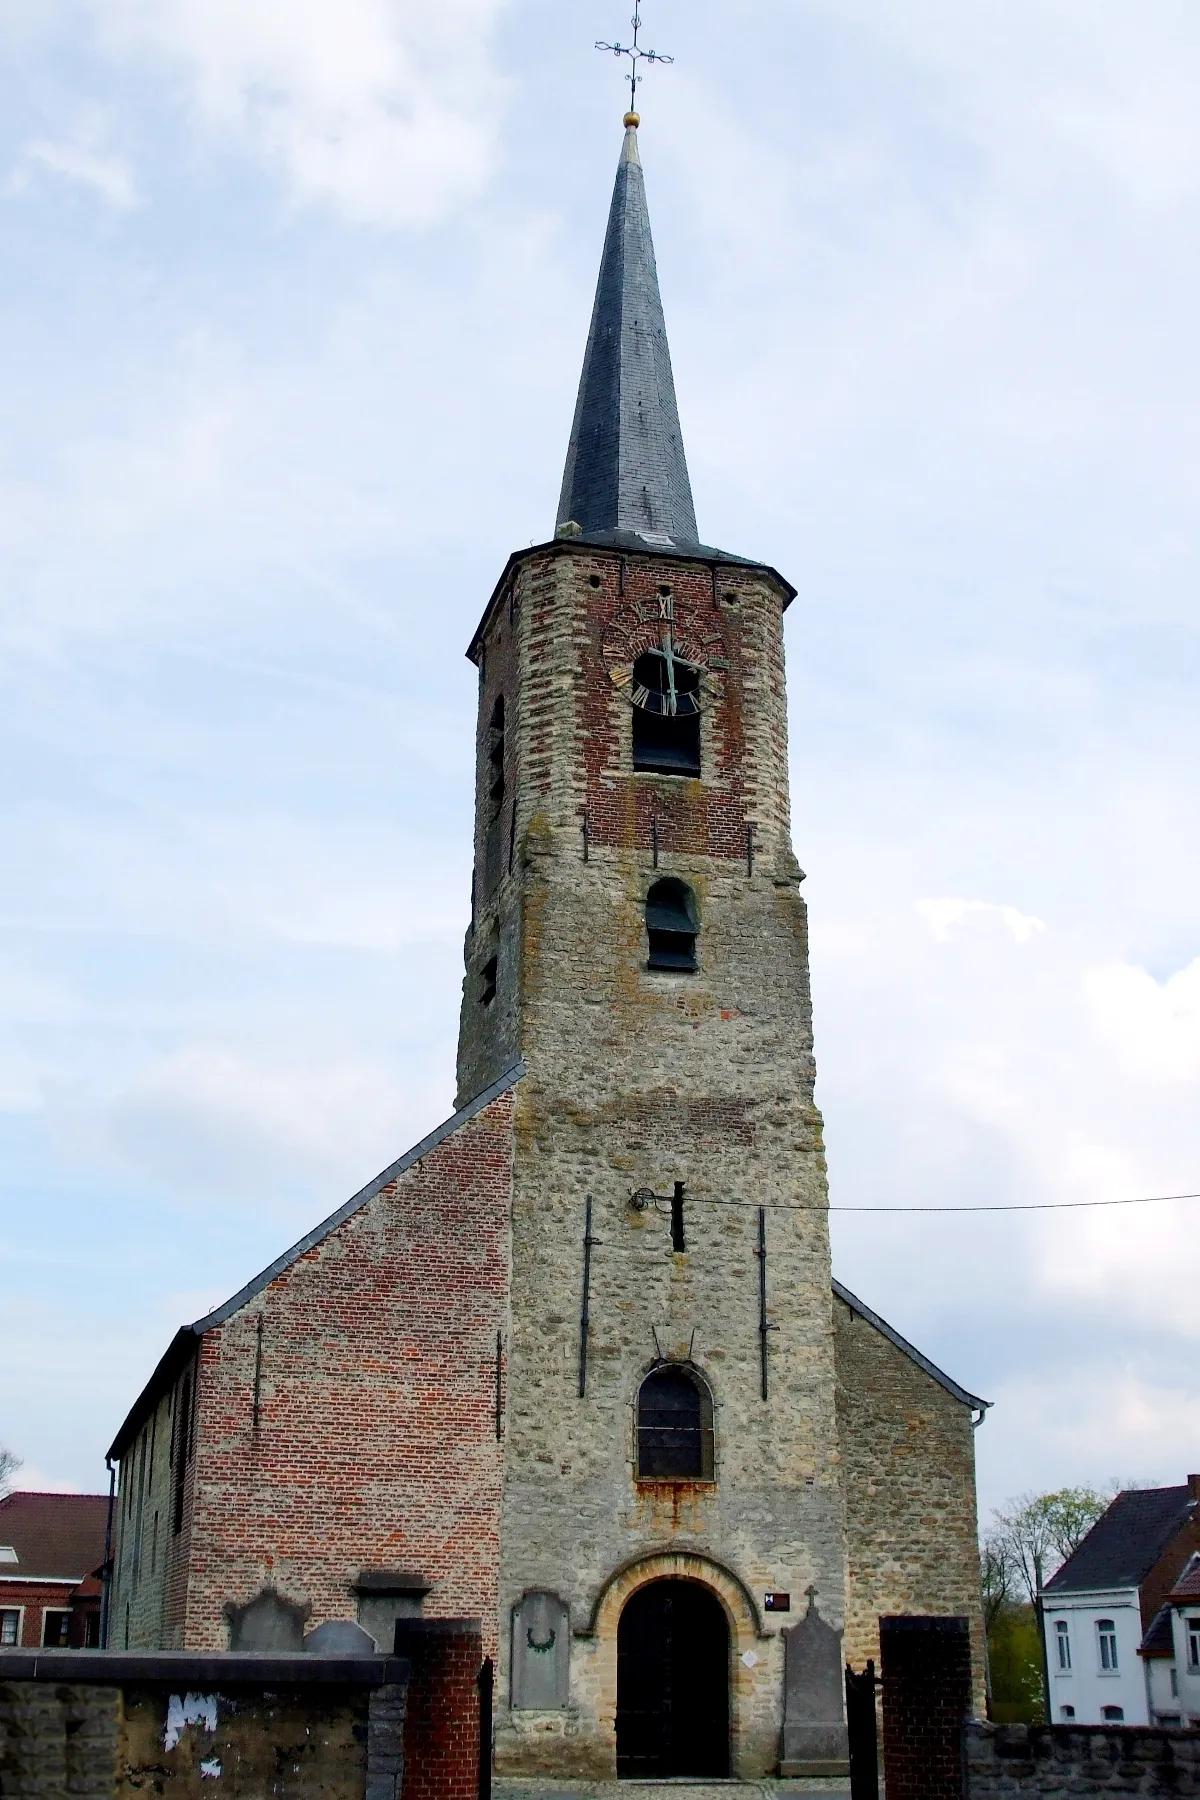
[(863, 1734)]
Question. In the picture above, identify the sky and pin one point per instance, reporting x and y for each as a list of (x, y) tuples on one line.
[(293, 299)]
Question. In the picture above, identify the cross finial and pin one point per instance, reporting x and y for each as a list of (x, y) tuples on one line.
[(811, 1593), (636, 55)]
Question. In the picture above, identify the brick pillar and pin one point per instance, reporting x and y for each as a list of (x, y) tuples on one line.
[(926, 1697), (441, 1730)]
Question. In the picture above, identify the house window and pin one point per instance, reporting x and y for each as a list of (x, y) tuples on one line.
[(56, 1629), (1106, 1632), (1062, 1637), (488, 977), (1113, 1715), (666, 716), (671, 927), (674, 1427), (1066, 1712), (10, 1625), (8, 1554), (1193, 1637)]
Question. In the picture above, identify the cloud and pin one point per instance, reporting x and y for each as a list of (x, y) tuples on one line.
[(83, 159), (387, 110), (1151, 1028), (1084, 1424), (942, 916)]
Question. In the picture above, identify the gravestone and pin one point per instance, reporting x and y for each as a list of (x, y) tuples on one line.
[(385, 1595), (541, 1653), (340, 1637), (268, 1622), (815, 1741)]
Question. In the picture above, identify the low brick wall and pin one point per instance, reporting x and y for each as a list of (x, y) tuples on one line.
[(109, 1726), (926, 1697), (1007, 1761), (441, 1738)]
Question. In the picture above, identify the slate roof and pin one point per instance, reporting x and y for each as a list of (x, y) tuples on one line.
[(893, 1336), (57, 1537), (1160, 1635), (1125, 1542), (626, 470)]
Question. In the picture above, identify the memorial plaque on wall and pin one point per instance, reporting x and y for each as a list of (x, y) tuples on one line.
[(541, 1653)]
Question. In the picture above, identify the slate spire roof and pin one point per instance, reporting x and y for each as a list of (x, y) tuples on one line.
[(626, 471)]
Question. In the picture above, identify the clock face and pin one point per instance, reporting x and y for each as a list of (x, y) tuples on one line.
[(662, 663)]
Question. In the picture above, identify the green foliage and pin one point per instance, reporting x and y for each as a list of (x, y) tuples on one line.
[(1038, 1532), (1015, 1663)]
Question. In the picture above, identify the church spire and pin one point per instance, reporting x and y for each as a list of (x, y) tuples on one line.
[(626, 470)]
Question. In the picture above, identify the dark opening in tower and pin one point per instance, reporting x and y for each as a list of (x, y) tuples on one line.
[(671, 926), (666, 715)]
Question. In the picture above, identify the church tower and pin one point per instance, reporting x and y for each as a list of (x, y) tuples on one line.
[(639, 943), (574, 1368)]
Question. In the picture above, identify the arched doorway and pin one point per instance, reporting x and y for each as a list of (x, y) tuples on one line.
[(673, 1682)]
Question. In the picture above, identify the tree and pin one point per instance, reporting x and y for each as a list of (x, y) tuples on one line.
[(999, 1573), (9, 1464), (1039, 1531)]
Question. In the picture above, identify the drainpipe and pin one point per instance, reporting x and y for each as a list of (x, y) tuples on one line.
[(106, 1576)]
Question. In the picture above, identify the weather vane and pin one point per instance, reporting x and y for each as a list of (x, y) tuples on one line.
[(636, 55)]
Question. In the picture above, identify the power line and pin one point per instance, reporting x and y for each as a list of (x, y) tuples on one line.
[(1020, 1205)]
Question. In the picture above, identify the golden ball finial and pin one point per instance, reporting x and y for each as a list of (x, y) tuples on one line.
[(632, 118)]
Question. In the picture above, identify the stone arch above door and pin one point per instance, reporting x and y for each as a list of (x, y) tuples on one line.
[(685, 1565)]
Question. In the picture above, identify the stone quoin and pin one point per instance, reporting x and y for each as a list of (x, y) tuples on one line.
[(576, 1365)]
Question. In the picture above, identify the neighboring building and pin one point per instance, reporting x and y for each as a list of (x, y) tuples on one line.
[(1104, 1635), (51, 1551), (576, 1364), (1171, 1650)]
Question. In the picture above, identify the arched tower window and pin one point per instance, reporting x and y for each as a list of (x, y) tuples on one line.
[(495, 768), (674, 1426), (666, 715), (671, 926), (492, 804)]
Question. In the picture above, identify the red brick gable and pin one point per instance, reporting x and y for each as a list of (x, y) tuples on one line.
[(377, 1442)]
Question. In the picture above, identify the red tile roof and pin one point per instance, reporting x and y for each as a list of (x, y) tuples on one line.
[(1187, 1588), (60, 1536)]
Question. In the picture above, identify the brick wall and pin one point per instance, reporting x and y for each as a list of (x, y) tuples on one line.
[(926, 1698), (376, 1444), (1004, 1762), (908, 1453), (441, 1740)]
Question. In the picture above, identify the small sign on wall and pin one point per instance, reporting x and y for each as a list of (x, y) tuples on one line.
[(777, 1602)]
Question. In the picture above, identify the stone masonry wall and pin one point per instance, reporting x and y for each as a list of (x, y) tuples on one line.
[(113, 1727), (640, 1078), (909, 1470), (377, 1444), (1004, 1762)]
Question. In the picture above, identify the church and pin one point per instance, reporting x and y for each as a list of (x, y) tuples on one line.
[(576, 1364)]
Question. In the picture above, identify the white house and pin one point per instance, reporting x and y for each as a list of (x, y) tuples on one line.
[(1171, 1651), (1101, 1612)]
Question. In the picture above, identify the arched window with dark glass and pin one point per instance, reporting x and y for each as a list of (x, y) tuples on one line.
[(671, 927), (674, 1426), (493, 798), (666, 715)]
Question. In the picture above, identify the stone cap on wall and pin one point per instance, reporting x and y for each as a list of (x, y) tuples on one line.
[(196, 1669)]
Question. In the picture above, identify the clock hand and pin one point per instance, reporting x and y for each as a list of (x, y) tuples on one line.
[(669, 654)]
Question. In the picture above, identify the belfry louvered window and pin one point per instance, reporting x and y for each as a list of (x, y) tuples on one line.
[(671, 927), (666, 716)]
